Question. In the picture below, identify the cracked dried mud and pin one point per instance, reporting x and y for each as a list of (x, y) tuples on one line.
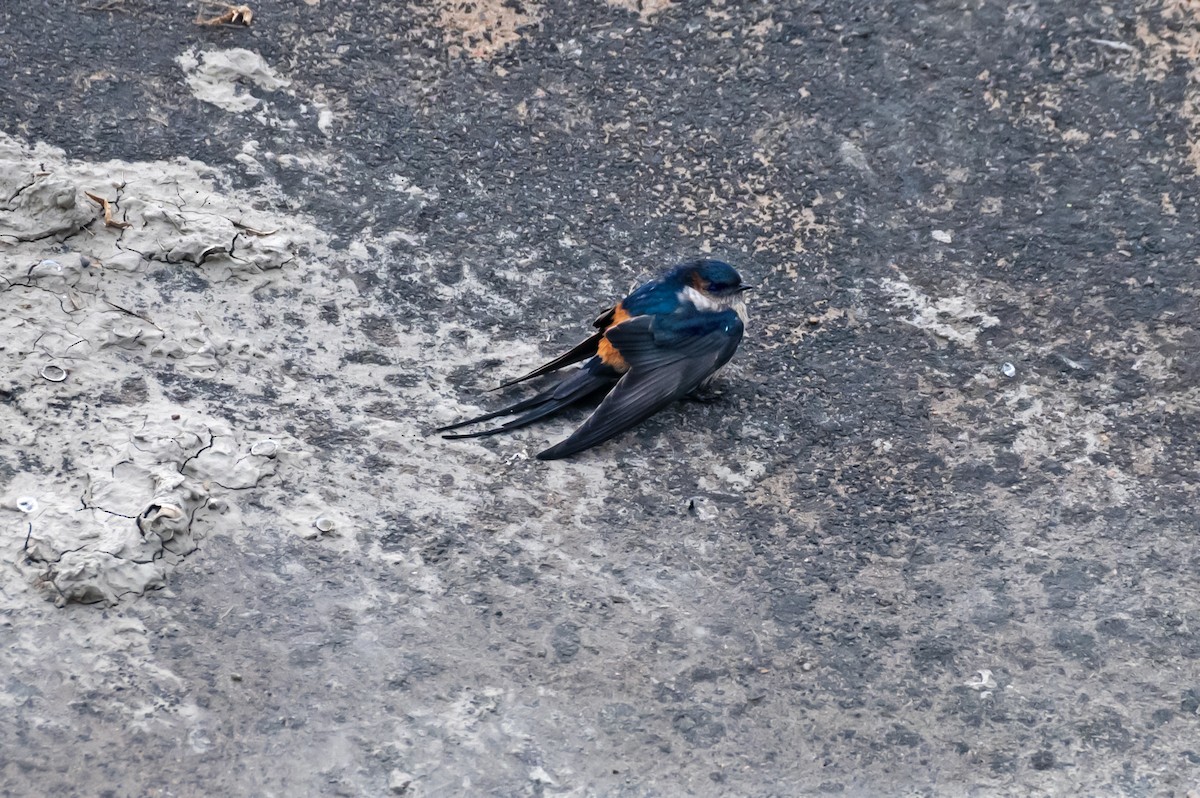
[(934, 535)]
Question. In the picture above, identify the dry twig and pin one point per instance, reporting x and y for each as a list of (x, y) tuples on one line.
[(109, 221), (251, 230), (224, 14)]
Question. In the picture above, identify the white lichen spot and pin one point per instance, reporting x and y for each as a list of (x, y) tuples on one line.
[(218, 77), (955, 318)]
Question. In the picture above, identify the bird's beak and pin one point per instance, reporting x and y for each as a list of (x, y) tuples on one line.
[(745, 288)]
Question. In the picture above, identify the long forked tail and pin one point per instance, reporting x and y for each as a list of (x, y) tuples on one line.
[(581, 351), (583, 384)]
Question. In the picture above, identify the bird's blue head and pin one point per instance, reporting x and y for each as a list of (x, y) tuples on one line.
[(708, 285), (703, 284), (712, 277)]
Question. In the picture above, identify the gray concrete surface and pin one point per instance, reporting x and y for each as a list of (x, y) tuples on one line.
[(937, 536)]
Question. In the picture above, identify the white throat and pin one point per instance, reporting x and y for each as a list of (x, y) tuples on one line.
[(707, 302)]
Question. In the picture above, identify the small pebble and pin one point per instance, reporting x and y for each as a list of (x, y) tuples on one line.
[(264, 448), (399, 781), (54, 373)]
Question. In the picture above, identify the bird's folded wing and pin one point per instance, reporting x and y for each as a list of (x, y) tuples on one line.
[(665, 363), (581, 351), (650, 342)]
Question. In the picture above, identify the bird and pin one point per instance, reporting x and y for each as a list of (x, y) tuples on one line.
[(669, 336)]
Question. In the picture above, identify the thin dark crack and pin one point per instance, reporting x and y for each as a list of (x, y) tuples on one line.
[(137, 592), (153, 557), (20, 191), (77, 343), (61, 594), (47, 351), (180, 446), (169, 218), (196, 509), (212, 439), (57, 559), (115, 306), (87, 506), (37, 287), (179, 556), (74, 231), (258, 482), (160, 258)]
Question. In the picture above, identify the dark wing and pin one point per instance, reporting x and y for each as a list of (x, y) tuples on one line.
[(581, 351), (665, 364)]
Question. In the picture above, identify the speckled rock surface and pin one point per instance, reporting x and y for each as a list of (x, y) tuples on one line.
[(937, 536)]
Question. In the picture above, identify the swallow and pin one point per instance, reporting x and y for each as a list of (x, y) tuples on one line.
[(660, 343)]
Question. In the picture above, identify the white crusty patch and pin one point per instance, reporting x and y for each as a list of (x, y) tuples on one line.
[(220, 77), (955, 318)]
